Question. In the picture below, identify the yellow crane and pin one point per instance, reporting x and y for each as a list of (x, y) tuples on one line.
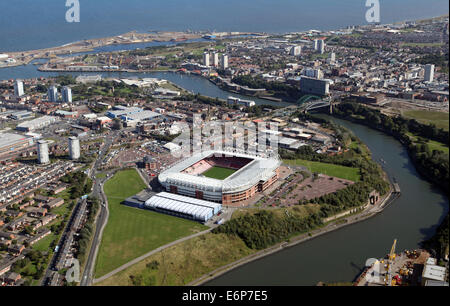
[(390, 261)]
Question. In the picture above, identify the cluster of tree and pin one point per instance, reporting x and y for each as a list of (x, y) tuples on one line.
[(353, 196), (439, 241), (439, 60), (263, 229), (202, 99), (87, 230), (278, 88), (80, 183), (65, 80), (434, 165), (106, 88), (33, 265), (166, 138), (257, 110)]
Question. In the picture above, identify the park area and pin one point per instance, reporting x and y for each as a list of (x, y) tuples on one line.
[(132, 232), (440, 119), (339, 171), (219, 173)]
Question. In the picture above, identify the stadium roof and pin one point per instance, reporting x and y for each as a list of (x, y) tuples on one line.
[(197, 209), (259, 169)]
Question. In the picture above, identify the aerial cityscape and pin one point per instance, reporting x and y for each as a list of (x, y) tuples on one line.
[(185, 153)]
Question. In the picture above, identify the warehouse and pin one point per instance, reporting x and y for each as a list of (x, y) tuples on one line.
[(36, 124), (181, 206), (12, 142)]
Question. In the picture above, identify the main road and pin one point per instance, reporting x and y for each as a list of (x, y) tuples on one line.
[(102, 218)]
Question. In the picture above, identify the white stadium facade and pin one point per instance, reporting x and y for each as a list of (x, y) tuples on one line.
[(250, 174)]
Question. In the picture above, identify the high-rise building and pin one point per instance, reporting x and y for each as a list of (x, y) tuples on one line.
[(206, 59), (321, 46), (295, 51), (429, 73), (42, 152), (66, 93), (316, 44), (74, 148), (224, 61), (332, 57), (18, 88), (215, 59), (52, 94), (313, 73)]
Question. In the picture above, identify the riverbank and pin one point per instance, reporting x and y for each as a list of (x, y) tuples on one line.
[(429, 171), (329, 227)]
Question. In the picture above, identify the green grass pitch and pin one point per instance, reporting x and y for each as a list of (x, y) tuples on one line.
[(219, 173)]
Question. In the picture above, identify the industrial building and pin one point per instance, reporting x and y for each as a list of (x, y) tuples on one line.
[(74, 148), (20, 115), (237, 101), (314, 86), (36, 124), (42, 152), (119, 111), (181, 206), (10, 143), (145, 115)]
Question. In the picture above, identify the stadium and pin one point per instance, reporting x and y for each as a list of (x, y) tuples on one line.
[(225, 177)]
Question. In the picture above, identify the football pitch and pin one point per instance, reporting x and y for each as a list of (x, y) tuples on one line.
[(219, 173)]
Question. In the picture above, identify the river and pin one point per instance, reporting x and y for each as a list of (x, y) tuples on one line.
[(193, 83), (340, 256)]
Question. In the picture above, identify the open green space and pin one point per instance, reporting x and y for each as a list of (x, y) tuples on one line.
[(343, 172), (132, 232), (440, 119), (219, 173), (183, 262), (100, 175), (433, 145), (43, 245)]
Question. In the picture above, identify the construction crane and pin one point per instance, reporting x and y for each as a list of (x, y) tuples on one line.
[(390, 262)]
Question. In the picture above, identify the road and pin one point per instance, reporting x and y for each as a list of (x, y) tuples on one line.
[(102, 218)]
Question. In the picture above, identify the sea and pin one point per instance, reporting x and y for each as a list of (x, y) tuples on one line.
[(34, 24)]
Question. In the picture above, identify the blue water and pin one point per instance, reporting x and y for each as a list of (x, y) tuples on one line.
[(32, 24)]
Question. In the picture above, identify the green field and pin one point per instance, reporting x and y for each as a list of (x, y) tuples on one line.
[(132, 232), (219, 173), (343, 172), (441, 120), (433, 145)]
